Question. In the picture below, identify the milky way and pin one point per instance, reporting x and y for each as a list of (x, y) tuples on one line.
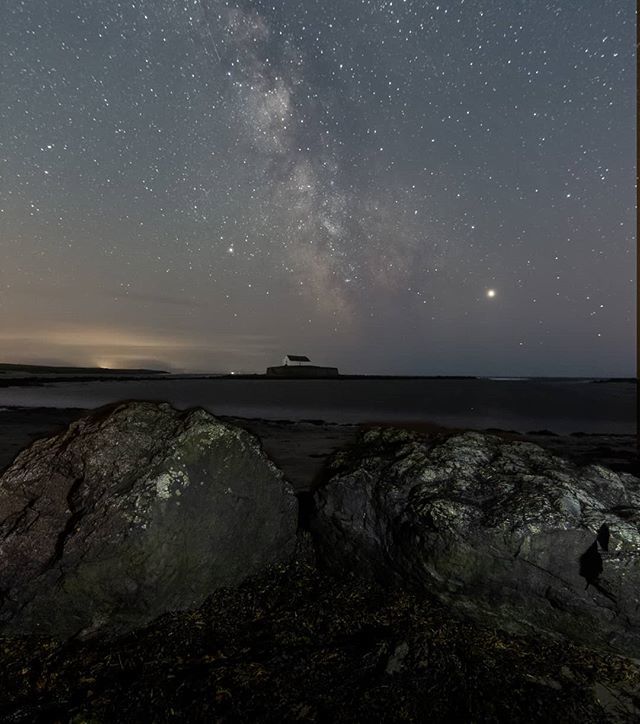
[(385, 186)]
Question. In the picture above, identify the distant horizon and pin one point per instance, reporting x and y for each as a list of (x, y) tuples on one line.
[(240, 372)]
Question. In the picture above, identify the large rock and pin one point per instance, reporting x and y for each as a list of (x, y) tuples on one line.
[(504, 530), (135, 510)]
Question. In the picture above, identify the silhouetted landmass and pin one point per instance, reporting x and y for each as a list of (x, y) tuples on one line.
[(632, 380), (341, 376), (54, 369), (303, 372)]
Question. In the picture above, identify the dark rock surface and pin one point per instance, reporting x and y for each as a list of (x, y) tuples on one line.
[(135, 510), (505, 531)]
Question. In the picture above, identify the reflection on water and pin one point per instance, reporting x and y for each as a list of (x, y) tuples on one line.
[(523, 405)]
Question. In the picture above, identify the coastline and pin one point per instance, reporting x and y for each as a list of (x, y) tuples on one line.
[(302, 447)]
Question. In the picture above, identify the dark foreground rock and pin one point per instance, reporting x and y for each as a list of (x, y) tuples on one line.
[(504, 531), (135, 510), (295, 644)]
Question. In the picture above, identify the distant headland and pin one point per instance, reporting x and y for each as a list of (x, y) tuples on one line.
[(58, 370)]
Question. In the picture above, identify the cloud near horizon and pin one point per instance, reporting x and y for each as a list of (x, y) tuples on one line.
[(113, 347)]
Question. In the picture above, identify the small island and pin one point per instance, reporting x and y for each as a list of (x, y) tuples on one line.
[(300, 367)]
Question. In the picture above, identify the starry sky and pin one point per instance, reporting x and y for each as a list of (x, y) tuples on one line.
[(388, 186)]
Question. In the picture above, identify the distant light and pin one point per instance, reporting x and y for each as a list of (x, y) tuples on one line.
[(232, 373), (491, 293)]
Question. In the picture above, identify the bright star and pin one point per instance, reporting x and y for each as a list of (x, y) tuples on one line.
[(491, 293)]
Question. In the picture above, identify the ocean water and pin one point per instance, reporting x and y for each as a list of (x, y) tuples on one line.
[(561, 406)]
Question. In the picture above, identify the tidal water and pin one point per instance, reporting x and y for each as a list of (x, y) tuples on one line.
[(560, 406)]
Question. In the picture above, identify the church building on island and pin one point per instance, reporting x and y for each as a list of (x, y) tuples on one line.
[(299, 366)]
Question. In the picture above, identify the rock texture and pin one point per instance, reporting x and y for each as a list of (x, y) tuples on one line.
[(135, 510), (505, 531)]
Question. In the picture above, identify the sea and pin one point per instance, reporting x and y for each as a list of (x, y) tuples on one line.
[(557, 405)]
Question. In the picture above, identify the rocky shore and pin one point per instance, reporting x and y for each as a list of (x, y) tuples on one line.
[(158, 565)]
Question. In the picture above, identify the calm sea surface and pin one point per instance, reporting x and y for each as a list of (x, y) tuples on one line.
[(558, 405)]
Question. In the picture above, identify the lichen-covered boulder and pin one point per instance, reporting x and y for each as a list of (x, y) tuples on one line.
[(135, 510), (503, 530)]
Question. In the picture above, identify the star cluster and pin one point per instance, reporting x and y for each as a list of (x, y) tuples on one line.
[(398, 186)]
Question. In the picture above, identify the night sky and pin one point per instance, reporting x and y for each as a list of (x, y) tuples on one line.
[(386, 186)]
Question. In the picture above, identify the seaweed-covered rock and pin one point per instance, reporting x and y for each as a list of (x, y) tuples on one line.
[(135, 510), (504, 530), (297, 644)]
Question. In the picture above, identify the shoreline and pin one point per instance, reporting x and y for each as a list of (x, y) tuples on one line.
[(9, 380), (301, 448), (560, 406)]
